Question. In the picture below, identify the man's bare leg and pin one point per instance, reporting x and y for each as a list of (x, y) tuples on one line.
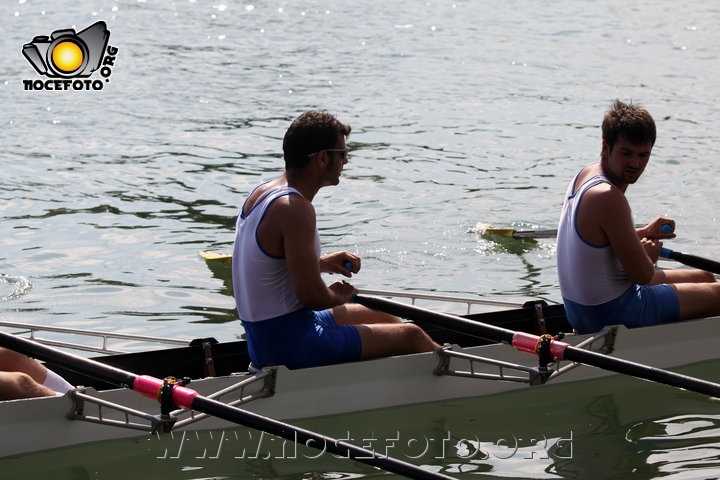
[(12, 361), (382, 334), (14, 385), (355, 314), (682, 276), (698, 299), (384, 339)]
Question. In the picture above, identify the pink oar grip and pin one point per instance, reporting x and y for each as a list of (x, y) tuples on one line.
[(148, 386), (525, 342)]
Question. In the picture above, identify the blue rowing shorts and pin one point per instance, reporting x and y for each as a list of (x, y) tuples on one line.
[(639, 306), (301, 339)]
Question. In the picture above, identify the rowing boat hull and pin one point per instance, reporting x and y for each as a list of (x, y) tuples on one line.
[(350, 387)]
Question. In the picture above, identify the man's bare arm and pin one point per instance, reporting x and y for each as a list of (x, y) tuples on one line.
[(607, 208), (297, 225)]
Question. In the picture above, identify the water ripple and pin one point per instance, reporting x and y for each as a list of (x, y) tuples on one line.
[(19, 286), (684, 446)]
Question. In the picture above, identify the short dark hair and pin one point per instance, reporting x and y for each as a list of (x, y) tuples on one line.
[(630, 121), (309, 133)]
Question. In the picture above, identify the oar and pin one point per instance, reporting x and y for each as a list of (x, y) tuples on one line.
[(216, 257), (517, 234), (691, 260), (520, 234), (528, 343), (189, 399), (226, 258)]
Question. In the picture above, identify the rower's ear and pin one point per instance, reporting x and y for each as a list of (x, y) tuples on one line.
[(604, 150), (321, 158)]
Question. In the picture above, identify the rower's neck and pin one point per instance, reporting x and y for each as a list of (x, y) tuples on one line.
[(307, 187)]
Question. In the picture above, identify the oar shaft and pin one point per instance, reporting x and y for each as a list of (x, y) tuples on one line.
[(453, 322), (528, 343), (313, 440), (510, 232), (645, 372), (692, 260), (546, 233), (187, 398)]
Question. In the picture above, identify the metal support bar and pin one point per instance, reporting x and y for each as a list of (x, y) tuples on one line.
[(165, 423), (468, 302), (602, 342), (607, 336), (103, 337), (534, 374), (267, 376), (155, 423)]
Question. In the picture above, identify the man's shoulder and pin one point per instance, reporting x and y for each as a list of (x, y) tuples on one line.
[(595, 183), (605, 200), (291, 207), (292, 199), (605, 189), (604, 195), (281, 193)]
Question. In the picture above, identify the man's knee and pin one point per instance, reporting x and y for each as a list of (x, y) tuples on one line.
[(24, 381), (14, 385), (418, 337), (709, 277), (413, 331)]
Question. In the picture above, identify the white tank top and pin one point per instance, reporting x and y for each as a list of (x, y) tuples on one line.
[(589, 274), (261, 282)]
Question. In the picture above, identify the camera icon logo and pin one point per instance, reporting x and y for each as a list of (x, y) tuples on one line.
[(67, 54)]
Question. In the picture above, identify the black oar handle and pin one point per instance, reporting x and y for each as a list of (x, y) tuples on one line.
[(692, 260), (452, 322), (529, 343), (313, 440), (189, 399), (642, 371)]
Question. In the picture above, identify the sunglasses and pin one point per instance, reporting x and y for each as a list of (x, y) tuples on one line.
[(345, 151)]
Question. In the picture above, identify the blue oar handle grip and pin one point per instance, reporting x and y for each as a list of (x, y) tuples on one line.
[(665, 252), (666, 228), (348, 267)]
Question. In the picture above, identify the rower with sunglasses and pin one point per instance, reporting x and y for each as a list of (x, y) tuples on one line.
[(290, 316)]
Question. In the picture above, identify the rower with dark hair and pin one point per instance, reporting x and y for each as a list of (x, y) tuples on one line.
[(606, 266), (290, 316)]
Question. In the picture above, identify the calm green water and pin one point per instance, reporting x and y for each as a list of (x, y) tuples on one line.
[(462, 112)]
